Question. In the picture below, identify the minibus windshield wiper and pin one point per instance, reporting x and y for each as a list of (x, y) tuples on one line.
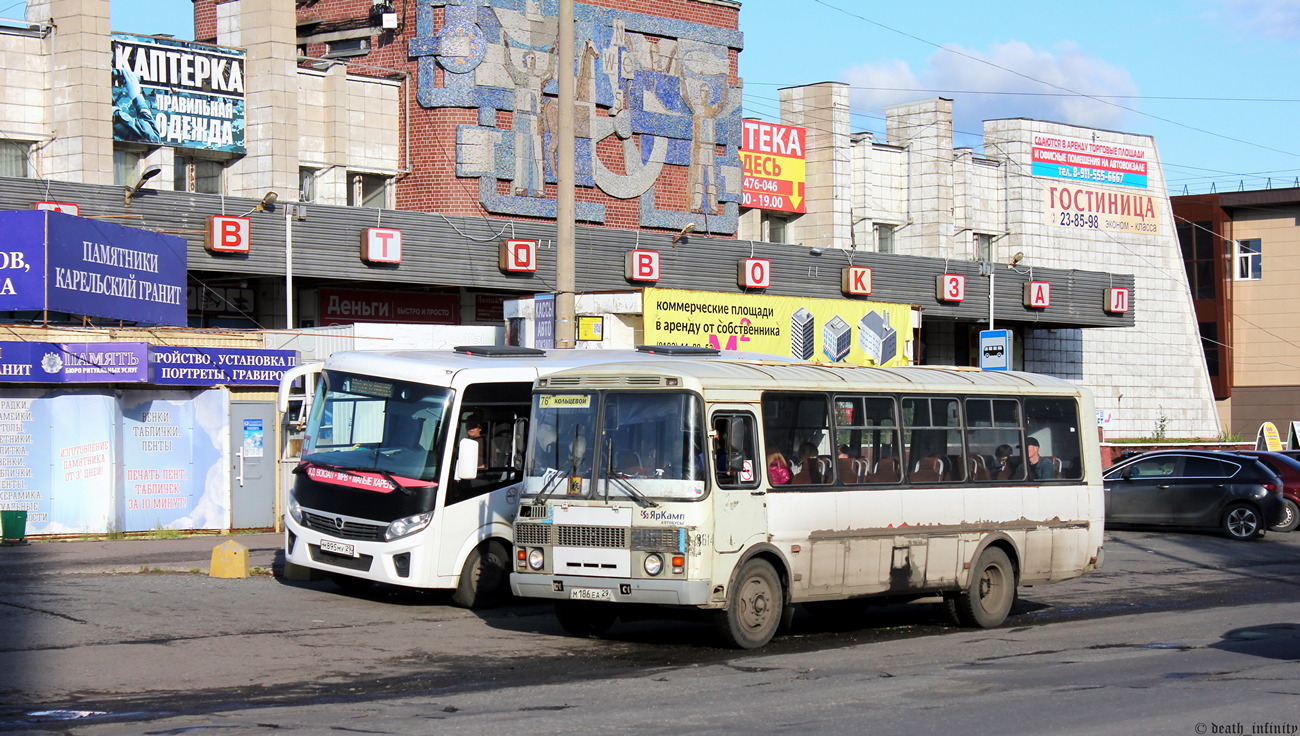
[(619, 481)]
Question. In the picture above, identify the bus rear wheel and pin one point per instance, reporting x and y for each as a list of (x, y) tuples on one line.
[(755, 607), (989, 595), (585, 619), (485, 579)]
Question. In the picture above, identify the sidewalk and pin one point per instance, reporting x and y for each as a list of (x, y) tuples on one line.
[(133, 555)]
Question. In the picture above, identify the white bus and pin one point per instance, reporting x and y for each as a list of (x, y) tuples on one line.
[(745, 487), (411, 463)]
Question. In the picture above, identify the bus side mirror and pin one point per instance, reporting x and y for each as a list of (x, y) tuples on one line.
[(466, 459)]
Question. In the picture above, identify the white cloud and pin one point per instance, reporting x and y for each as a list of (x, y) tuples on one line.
[(959, 72), (1278, 19)]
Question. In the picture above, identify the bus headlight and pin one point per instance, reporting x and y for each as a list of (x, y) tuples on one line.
[(654, 564), (295, 511), (407, 526), (536, 558)]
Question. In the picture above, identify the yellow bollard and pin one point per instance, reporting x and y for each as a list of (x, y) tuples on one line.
[(229, 560)]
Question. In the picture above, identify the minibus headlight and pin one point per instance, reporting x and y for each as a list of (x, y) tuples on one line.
[(295, 511), (536, 558), (407, 526), (654, 564)]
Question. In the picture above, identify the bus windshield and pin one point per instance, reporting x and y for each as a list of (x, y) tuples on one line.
[(606, 445), (366, 423)]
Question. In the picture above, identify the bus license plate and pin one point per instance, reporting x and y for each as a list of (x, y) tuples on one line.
[(591, 594), (338, 548)]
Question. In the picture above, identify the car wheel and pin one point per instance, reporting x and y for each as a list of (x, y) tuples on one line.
[(991, 592), (485, 579), (1290, 520), (1242, 522), (755, 607)]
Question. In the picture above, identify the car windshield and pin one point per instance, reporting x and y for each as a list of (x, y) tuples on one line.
[(371, 424), (639, 445)]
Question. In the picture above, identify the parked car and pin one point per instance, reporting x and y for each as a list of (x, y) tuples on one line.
[(1236, 494), (1287, 468)]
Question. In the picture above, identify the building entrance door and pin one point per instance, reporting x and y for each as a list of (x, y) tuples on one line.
[(253, 464)]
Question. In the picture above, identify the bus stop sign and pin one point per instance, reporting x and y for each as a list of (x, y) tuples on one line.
[(995, 350)]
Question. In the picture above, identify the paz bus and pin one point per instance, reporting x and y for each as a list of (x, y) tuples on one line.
[(744, 487), (411, 463)]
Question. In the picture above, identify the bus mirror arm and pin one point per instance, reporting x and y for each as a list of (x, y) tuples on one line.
[(466, 459)]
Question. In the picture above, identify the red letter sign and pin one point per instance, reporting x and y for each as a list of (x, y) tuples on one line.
[(950, 287), (228, 234), (381, 245), (1116, 301), (754, 273), (641, 265), (856, 280), (517, 256), (1038, 294)]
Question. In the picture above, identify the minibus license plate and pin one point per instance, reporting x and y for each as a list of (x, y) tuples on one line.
[(591, 594), (338, 548)]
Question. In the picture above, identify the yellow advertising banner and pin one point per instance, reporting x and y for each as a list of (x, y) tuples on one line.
[(831, 330)]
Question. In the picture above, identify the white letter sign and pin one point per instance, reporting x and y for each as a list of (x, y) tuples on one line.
[(1116, 301), (517, 256), (381, 245), (856, 280), (950, 287), (641, 265), (228, 234), (1038, 294), (754, 273)]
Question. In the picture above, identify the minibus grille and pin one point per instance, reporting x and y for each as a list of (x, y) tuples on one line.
[(532, 533), (591, 536), (348, 530)]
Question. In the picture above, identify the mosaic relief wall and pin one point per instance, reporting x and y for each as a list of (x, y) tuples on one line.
[(657, 87)]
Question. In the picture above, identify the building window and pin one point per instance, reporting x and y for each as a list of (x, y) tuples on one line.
[(13, 158), (198, 175), (368, 190), (1249, 261), (1197, 242), (347, 47), (307, 184), (885, 238), (126, 167), (777, 228), (983, 247)]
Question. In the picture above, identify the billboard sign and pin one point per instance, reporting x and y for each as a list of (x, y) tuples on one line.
[(177, 93), (187, 366), (346, 306), (835, 330), (74, 362), (98, 269), (1097, 162), (773, 159)]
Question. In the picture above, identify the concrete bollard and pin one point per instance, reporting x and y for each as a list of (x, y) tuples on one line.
[(229, 560)]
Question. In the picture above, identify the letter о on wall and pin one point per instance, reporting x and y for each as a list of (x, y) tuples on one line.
[(754, 273), (517, 256), (856, 281), (381, 245), (950, 287), (1038, 294), (228, 234), (1117, 301), (641, 265)]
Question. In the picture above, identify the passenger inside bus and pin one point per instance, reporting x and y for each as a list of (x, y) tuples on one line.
[(778, 470)]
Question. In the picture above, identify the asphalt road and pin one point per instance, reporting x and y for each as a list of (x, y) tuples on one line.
[(1176, 630)]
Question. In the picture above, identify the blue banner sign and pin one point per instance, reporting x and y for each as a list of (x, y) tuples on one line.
[(52, 261), (73, 362), (177, 366)]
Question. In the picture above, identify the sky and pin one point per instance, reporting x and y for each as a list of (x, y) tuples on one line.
[(1211, 80)]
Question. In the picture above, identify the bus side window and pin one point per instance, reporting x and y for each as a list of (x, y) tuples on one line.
[(492, 415), (735, 459)]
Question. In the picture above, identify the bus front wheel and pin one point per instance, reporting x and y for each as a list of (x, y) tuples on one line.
[(988, 597), (485, 579), (755, 607)]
